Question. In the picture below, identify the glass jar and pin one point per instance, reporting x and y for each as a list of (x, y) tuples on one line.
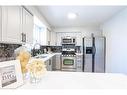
[(34, 78)]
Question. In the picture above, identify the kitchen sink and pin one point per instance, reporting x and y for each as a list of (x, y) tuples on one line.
[(40, 56), (43, 56)]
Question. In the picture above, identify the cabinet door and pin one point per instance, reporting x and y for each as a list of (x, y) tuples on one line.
[(54, 62), (78, 39), (79, 63), (58, 62), (28, 26), (11, 24), (49, 65), (58, 41), (48, 41), (53, 38)]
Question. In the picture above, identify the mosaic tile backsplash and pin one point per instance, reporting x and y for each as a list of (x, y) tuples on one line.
[(53, 48), (7, 51), (58, 49)]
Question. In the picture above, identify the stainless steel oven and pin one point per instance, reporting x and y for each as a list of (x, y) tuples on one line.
[(68, 63)]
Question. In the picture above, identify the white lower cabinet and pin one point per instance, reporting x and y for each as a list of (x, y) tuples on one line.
[(56, 62), (49, 65), (79, 66), (11, 24)]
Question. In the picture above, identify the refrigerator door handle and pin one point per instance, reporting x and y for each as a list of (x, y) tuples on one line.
[(83, 63), (94, 50)]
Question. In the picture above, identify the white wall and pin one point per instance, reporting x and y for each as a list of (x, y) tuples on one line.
[(86, 31), (115, 31)]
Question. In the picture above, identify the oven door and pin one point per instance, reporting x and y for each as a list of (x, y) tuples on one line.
[(68, 63)]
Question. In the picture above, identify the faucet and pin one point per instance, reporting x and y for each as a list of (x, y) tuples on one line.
[(36, 49)]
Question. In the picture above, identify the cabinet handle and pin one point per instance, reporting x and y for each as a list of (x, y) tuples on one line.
[(23, 37), (49, 62), (48, 42)]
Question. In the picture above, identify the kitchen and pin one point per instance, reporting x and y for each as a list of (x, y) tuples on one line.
[(69, 42)]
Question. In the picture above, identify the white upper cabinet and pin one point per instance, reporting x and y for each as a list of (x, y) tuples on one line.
[(48, 39), (53, 38), (11, 24), (58, 40), (16, 25), (27, 29), (78, 38)]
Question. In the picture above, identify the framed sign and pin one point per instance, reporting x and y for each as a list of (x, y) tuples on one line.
[(10, 74)]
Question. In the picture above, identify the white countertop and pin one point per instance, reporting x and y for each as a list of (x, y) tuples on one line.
[(50, 55), (79, 80)]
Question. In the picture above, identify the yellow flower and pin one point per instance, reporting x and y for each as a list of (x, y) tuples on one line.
[(24, 57), (36, 67)]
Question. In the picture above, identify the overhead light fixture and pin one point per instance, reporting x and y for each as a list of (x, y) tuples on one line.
[(72, 15)]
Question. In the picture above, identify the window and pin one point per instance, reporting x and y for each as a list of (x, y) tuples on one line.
[(39, 35)]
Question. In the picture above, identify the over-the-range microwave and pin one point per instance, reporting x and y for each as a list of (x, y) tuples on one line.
[(68, 40)]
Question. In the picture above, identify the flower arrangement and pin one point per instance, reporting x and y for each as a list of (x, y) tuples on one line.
[(24, 57), (36, 69)]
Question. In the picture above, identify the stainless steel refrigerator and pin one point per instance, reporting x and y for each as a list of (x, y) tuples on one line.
[(94, 54)]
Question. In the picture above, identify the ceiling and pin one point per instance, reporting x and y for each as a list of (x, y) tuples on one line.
[(56, 16)]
